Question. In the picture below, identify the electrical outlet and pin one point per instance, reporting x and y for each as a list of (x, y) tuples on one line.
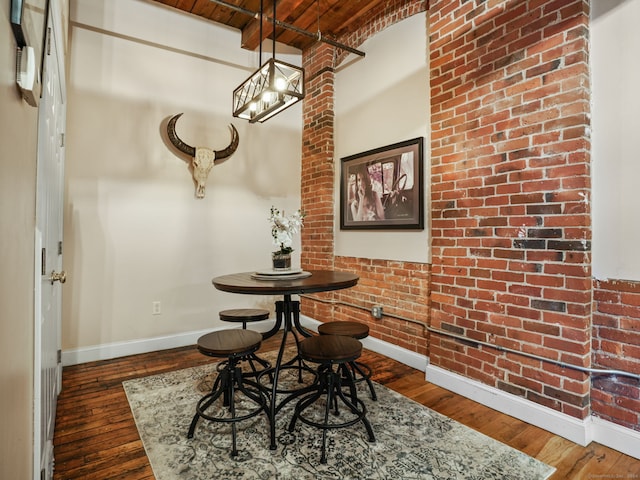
[(376, 312), (156, 308)]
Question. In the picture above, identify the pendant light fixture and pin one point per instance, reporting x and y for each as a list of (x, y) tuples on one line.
[(274, 87)]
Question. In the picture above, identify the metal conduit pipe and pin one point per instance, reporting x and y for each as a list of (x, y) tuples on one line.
[(318, 36), (591, 371)]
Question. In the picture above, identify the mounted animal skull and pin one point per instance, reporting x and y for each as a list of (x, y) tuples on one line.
[(202, 158)]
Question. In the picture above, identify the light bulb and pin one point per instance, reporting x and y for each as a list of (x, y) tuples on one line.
[(253, 106), (280, 83)]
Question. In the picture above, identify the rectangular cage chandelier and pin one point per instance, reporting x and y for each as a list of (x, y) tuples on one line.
[(274, 87)]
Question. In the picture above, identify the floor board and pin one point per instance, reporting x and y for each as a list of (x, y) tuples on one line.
[(96, 437)]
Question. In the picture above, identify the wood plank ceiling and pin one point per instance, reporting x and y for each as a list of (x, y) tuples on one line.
[(332, 18)]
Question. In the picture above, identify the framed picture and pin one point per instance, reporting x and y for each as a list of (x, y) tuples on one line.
[(383, 188)]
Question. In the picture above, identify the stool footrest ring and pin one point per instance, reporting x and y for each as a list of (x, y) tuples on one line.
[(331, 385)]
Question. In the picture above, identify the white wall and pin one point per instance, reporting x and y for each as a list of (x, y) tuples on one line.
[(615, 42), (134, 232), (383, 99), (18, 139)]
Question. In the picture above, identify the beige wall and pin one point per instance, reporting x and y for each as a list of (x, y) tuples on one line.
[(383, 99), (615, 41), (18, 130), (134, 233)]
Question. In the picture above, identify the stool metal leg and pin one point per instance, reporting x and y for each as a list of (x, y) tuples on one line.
[(219, 388), (349, 378), (366, 376), (363, 412), (230, 379), (331, 385), (305, 402), (232, 409)]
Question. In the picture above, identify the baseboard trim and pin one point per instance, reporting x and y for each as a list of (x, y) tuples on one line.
[(555, 422), (133, 347), (108, 351), (615, 436), (579, 431)]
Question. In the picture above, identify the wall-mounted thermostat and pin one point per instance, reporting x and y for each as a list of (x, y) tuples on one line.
[(27, 75)]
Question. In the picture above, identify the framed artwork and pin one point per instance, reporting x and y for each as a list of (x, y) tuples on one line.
[(383, 188)]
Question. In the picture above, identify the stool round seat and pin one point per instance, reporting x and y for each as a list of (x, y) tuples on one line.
[(244, 315), (349, 329), (361, 371), (227, 343), (330, 348)]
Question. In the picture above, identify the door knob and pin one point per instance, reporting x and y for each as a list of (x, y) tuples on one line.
[(58, 277)]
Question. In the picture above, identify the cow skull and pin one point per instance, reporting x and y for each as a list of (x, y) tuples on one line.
[(202, 158)]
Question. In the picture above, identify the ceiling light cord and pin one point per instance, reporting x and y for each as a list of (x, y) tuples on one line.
[(261, 13), (588, 370), (318, 19), (273, 33)]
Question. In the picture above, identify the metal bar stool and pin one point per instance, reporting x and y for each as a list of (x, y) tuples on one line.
[(233, 345), (244, 316), (330, 352), (361, 372)]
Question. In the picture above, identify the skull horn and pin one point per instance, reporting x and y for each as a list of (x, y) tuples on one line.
[(175, 140), (227, 152)]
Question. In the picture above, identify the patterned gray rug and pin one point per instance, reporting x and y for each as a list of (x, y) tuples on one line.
[(412, 441)]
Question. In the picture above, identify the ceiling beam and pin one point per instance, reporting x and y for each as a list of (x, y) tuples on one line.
[(269, 20)]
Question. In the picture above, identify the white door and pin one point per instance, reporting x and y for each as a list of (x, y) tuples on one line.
[(50, 276)]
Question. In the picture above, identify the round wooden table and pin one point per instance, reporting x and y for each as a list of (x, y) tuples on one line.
[(318, 281), (287, 310)]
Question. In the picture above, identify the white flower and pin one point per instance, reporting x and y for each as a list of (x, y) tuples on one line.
[(283, 228), (283, 238)]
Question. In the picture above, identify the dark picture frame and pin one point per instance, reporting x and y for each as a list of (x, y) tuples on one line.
[(382, 189)]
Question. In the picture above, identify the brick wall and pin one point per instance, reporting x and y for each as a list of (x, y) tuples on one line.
[(317, 170), (616, 346), (510, 194), (403, 286), (510, 183)]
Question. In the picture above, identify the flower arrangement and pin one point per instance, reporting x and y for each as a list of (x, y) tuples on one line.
[(283, 228)]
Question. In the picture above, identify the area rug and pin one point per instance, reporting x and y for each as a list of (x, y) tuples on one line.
[(412, 441)]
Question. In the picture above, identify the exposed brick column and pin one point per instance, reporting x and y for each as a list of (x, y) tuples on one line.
[(510, 194), (317, 189)]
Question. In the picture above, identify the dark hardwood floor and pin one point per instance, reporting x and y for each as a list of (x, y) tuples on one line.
[(96, 437)]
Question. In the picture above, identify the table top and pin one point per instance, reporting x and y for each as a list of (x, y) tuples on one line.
[(318, 281)]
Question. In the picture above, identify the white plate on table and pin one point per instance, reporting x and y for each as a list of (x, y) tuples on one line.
[(293, 274), (279, 273)]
